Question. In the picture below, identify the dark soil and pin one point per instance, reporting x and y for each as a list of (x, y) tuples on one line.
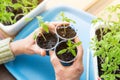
[(14, 1), (65, 56), (16, 12), (51, 40), (99, 66), (70, 33), (98, 33)]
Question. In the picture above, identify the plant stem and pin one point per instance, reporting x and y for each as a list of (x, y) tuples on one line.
[(64, 29), (43, 36), (18, 15)]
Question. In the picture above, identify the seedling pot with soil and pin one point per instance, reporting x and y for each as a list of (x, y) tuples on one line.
[(18, 17), (62, 52), (65, 32), (48, 42), (46, 38)]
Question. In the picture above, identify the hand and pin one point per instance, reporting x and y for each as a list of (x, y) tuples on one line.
[(28, 45), (72, 72), (99, 78)]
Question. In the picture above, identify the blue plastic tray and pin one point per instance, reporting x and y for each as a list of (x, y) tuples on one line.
[(30, 67)]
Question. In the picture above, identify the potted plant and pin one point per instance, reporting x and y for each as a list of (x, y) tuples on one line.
[(46, 38), (105, 44), (14, 12), (66, 32), (66, 51)]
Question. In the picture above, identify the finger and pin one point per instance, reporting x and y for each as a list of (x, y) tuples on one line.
[(40, 51), (99, 78), (43, 52), (54, 60), (51, 27), (79, 57)]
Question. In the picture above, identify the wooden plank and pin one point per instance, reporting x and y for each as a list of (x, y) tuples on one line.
[(4, 74), (99, 6), (87, 7)]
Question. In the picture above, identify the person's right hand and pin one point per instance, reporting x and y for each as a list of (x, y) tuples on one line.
[(72, 72)]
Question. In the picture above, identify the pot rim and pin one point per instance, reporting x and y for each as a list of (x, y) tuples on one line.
[(50, 48), (63, 37)]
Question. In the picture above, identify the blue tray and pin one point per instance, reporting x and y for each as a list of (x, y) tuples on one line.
[(30, 67)]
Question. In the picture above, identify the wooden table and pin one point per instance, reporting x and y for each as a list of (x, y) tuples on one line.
[(92, 7), (4, 74)]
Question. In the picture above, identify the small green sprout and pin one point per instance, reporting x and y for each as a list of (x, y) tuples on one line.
[(71, 48), (65, 19), (43, 25)]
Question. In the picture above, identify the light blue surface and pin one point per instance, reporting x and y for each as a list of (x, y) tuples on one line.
[(35, 67)]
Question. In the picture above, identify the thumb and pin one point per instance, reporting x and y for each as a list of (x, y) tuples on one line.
[(54, 60), (40, 51)]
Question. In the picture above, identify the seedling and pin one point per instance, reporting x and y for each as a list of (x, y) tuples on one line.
[(108, 48), (71, 48), (65, 19), (10, 10), (43, 25)]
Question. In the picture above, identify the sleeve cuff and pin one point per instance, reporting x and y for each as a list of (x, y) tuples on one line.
[(5, 51)]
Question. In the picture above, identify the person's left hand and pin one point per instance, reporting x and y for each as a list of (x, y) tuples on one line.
[(28, 44)]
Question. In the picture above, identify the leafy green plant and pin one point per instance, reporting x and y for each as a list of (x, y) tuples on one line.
[(108, 48), (8, 9), (43, 25), (71, 48), (64, 18)]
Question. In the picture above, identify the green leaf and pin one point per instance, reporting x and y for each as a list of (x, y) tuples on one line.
[(28, 19), (62, 51), (69, 43), (45, 27), (42, 24), (75, 45), (64, 18), (40, 20), (34, 36), (117, 75), (94, 21), (73, 52), (17, 6)]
